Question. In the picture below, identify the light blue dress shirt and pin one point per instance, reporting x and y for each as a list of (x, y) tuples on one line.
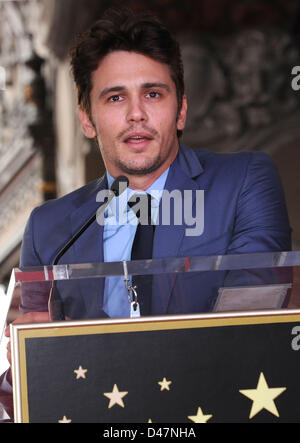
[(120, 225)]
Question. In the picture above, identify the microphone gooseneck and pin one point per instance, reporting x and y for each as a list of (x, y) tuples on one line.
[(117, 189)]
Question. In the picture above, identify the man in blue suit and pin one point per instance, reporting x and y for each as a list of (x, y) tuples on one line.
[(129, 79), (244, 212)]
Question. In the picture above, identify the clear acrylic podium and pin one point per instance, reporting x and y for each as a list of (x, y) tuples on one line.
[(221, 330)]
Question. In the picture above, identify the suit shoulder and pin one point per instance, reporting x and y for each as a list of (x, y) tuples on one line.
[(238, 163), (229, 157)]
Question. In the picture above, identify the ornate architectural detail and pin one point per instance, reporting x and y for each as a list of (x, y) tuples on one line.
[(16, 203), (239, 90), (16, 143), (22, 116)]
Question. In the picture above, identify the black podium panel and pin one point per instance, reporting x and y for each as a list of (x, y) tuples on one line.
[(174, 370)]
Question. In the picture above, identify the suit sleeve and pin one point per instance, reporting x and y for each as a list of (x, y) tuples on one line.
[(29, 256), (34, 295), (261, 222)]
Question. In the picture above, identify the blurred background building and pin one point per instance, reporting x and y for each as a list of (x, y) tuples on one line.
[(238, 57)]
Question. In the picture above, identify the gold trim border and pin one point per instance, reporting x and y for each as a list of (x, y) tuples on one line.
[(20, 333)]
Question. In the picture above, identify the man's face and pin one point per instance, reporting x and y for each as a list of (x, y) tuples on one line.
[(134, 114)]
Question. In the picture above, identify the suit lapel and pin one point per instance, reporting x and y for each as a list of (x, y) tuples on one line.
[(89, 247), (168, 238)]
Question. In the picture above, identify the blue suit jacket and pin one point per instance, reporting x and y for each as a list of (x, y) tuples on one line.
[(244, 212)]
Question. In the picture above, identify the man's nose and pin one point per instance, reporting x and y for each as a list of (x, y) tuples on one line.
[(136, 111)]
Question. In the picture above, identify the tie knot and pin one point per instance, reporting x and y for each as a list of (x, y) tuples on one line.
[(141, 205)]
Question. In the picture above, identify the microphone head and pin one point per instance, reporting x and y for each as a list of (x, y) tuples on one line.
[(119, 185)]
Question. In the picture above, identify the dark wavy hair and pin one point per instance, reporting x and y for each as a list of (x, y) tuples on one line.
[(122, 29)]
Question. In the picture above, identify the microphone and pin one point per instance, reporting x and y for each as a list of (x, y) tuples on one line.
[(116, 188), (54, 303)]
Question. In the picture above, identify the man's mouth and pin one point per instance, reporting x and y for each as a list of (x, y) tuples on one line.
[(138, 139)]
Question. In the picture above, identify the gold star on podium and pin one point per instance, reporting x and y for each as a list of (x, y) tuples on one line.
[(164, 384), (115, 397), (263, 397), (200, 417), (64, 420), (80, 372)]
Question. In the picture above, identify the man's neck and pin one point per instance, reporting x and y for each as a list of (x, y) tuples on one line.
[(143, 182)]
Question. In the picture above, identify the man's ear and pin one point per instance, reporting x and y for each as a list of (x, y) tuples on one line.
[(182, 114), (86, 124)]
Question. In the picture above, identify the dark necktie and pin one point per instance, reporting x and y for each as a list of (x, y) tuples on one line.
[(142, 248)]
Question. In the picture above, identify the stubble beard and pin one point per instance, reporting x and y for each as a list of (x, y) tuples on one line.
[(148, 168), (132, 167)]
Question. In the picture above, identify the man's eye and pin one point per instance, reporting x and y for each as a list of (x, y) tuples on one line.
[(114, 98), (153, 94)]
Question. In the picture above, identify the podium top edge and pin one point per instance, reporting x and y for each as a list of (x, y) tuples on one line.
[(158, 266)]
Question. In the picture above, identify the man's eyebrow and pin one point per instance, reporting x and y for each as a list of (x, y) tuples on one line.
[(156, 85), (111, 89)]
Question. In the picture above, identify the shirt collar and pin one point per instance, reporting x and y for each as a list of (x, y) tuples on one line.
[(156, 190)]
